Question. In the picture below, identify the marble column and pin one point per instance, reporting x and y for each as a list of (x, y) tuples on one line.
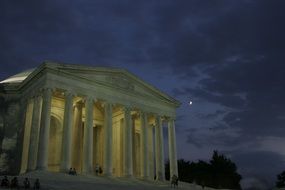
[(151, 151), (67, 133), (25, 123), (128, 158), (88, 137), (42, 161), (172, 148), (107, 168), (34, 137), (144, 147), (159, 150), (77, 137)]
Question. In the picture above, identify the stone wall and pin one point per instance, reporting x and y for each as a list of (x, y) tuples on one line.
[(11, 130)]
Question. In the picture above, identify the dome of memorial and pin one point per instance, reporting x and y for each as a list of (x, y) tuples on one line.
[(18, 78)]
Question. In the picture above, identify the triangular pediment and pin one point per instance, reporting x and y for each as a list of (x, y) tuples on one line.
[(119, 79)]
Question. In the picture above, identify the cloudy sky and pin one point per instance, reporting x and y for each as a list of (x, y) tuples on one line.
[(226, 56)]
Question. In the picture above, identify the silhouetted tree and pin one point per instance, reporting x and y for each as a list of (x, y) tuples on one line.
[(280, 180), (221, 172), (183, 168), (224, 172)]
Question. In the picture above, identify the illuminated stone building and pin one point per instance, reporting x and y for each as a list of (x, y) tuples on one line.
[(63, 116)]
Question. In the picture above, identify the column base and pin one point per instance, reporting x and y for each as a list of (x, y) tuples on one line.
[(29, 170), (40, 168), (107, 175), (88, 172), (64, 170), (145, 177), (160, 177), (129, 176)]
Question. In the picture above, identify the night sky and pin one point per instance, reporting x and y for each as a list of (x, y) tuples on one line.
[(227, 56)]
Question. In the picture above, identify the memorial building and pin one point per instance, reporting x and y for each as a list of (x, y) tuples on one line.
[(63, 116)]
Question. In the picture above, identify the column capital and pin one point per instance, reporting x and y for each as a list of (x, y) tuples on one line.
[(107, 103), (78, 104), (36, 93), (89, 99), (141, 112), (69, 93), (170, 118), (127, 109), (47, 93), (24, 100), (157, 117), (46, 89)]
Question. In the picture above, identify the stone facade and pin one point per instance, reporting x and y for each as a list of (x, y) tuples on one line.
[(59, 116)]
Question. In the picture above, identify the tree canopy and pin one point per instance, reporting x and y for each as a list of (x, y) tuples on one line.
[(280, 180), (220, 172)]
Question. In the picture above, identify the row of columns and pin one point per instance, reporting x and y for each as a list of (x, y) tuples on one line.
[(41, 121)]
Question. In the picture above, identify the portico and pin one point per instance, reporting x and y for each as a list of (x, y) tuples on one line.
[(80, 116)]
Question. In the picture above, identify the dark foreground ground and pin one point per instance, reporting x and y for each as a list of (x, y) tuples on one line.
[(60, 181)]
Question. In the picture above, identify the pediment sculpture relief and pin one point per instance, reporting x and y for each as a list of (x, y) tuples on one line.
[(120, 82)]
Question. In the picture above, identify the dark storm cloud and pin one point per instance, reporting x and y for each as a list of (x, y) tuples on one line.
[(219, 135), (177, 34), (211, 115), (246, 28), (245, 31), (66, 30), (245, 68), (28, 29), (163, 33), (258, 164), (229, 100), (254, 88)]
